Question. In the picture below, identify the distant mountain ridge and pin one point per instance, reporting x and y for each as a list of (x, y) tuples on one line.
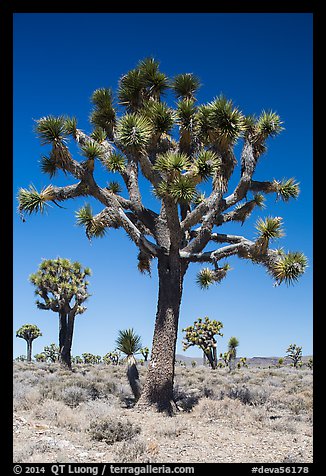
[(253, 361)]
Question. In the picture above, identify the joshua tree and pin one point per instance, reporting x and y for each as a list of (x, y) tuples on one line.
[(40, 357), (129, 344), (202, 334), (62, 287), (294, 353), (52, 352), (188, 168), (29, 332), (242, 362), (232, 351), (112, 357), (144, 352)]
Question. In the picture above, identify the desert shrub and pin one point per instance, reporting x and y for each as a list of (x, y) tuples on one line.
[(58, 413), (186, 400), (254, 395), (111, 430), (133, 451), (74, 395), (25, 396)]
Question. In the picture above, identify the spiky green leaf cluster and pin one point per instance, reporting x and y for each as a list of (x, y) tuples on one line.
[(182, 189), (206, 276), (160, 116), (185, 85), (286, 189), (70, 125), (99, 135), (220, 122), (207, 163), (32, 201), (270, 228), (49, 165), (92, 150), (288, 267), (142, 84), (186, 114), (114, 187), (93, 227), (133, 132), (128, 342), (269, 124), (172, 163), (103, 115), (115, 162), (51, 129)]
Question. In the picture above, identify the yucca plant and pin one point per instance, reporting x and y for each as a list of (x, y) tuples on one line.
[(129, 343), (294, 353), (269, 124), (70, 125), (232, 350), (99, 135), (187, 154)]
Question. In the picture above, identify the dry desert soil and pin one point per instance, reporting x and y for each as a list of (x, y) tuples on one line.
[(250, 415)]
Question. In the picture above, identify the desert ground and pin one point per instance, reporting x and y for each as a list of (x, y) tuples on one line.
[(257, 414)]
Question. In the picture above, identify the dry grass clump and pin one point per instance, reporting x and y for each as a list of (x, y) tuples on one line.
[(111, 430)]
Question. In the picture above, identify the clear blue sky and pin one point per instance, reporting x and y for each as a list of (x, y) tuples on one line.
[(260, 61)]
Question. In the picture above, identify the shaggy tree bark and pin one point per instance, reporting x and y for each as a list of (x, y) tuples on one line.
[(158, 388)]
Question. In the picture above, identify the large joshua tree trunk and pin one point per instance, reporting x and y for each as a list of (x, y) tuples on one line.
[(158, 388)]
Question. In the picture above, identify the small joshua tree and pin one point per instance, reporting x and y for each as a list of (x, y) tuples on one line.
[(62, 287), (310, 363), (242, 362), (280, 362), (129, 344), (232, 351), (144, 352), (202, 333), (40, 357), (294, 353), (29, 332), (111, 358), (52, 353)]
